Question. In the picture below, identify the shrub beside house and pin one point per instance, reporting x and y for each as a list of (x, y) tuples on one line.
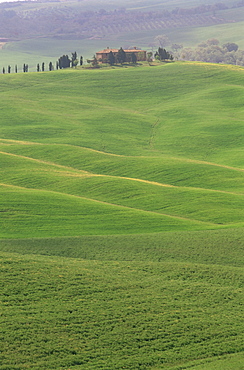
[(103, 55)]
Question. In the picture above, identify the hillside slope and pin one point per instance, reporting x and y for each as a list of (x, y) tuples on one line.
[(133, 150), (61, 313), (121, 219)]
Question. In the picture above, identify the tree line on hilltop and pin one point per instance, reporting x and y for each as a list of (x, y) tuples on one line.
[(122, 57), (66, 62), (208, 51), (63, 62)]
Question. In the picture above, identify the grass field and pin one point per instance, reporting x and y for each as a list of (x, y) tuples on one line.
[(212, 247), (121, 218), (60, 313), (105, 142)]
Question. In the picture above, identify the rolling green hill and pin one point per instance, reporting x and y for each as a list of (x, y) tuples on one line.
[(149, 149), (121, 218)]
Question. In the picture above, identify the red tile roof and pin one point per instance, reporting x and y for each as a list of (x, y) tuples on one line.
[(116, 51)]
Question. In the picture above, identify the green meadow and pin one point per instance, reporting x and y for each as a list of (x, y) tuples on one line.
[(162, 145), (121, 218), (61, 313)]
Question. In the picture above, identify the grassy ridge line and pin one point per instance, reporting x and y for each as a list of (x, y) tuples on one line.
[(8, 142), (44, 162), (192, 203), (74, 108), (100, 202), (154, 169), (210, 217), (61, 313), (81, 173), (220, 247), (106, 111), (28, 212)]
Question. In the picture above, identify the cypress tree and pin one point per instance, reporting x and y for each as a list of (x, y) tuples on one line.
[(162, 54), (43, 66), (74, 60), (94, 61), (9, 69), (16, 68), (3, 70), (121, 56), (64, 62), (133, 58), (111, 58)]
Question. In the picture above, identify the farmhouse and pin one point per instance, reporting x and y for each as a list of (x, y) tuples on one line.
[(102, 56)]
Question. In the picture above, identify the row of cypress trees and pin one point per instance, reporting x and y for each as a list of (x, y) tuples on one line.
[(63, 62), (8, 70)]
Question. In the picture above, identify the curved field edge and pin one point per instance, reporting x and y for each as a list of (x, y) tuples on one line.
[(135, 301), (161, 168), (165, 158), (218, 201), (117, 111), (60, 313), (28, 212)]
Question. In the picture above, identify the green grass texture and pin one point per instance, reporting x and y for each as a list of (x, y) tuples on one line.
[(61, 313), (210, 247), (121, 219), (121, 151)]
